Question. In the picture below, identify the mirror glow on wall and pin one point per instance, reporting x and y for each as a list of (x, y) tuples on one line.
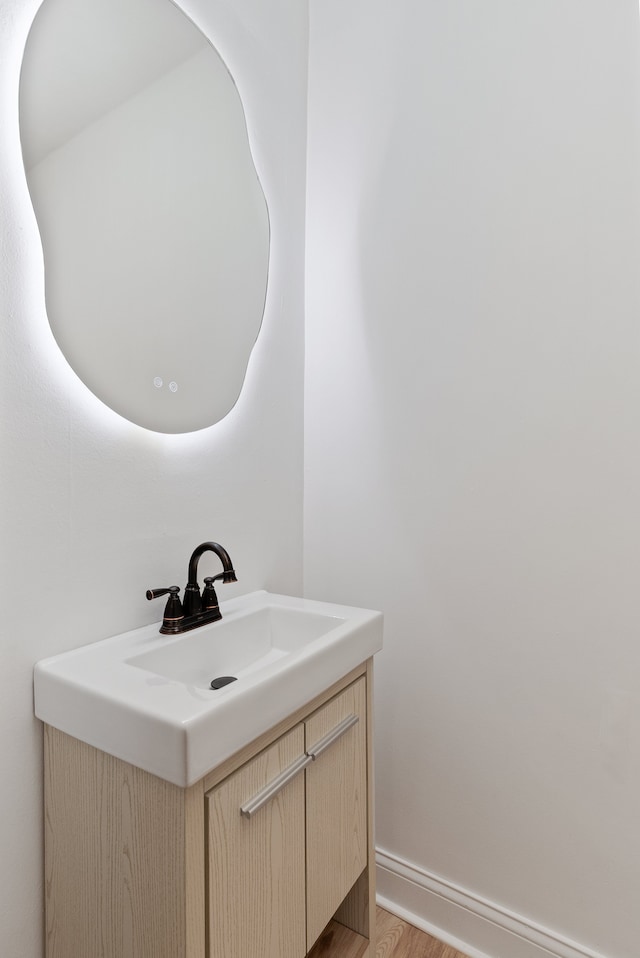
[(154, 226)]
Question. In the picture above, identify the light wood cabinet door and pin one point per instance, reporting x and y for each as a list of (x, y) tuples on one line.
[(336, 805), (256, 864)]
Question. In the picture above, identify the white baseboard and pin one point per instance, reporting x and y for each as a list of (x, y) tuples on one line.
[(471, 924)]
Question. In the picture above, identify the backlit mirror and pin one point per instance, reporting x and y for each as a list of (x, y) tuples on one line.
[(153, 222)]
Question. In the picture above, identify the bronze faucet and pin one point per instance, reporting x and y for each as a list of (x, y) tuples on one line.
[(196, 609)]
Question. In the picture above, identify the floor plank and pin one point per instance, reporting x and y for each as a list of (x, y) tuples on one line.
[(399, 939), (336, 941), (396, 939)]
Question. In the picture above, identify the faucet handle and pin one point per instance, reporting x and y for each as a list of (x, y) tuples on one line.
[(156, 593), (209, 597), (173, 611)]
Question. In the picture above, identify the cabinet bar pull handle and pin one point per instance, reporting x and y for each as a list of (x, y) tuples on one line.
[(269, 791), (332, 736)]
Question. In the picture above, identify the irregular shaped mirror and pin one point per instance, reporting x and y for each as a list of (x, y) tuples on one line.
[(154, 226)]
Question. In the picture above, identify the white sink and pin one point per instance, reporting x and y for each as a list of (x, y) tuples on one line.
[(146, 697)]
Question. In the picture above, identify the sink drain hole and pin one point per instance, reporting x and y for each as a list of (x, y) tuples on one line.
[(222, 680)]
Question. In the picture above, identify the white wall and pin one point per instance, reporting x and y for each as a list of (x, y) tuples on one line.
[(94, 510), (473, 444)]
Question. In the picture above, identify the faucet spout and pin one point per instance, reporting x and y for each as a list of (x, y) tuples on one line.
[(227, 574), (192, 600)]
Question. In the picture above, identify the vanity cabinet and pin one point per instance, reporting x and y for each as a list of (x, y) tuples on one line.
[(251, 862)]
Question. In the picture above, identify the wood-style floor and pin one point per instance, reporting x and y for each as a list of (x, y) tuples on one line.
[(396, 939)]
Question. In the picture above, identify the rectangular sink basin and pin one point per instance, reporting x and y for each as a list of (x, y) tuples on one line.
[(237, 646), (147, 699)]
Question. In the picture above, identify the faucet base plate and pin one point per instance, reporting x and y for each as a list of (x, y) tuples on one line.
[(178, 626)]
